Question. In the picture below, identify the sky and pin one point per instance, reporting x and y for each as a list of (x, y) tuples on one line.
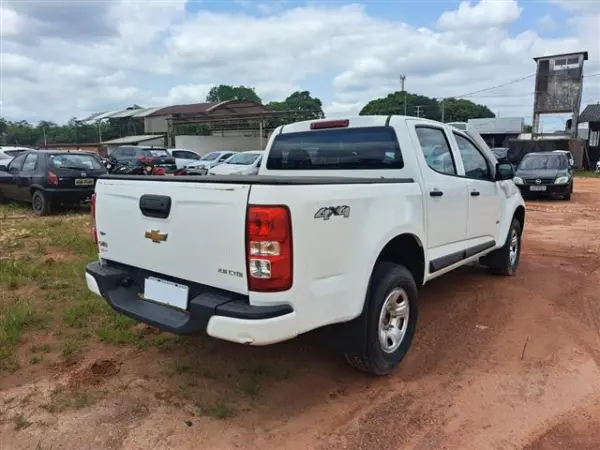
[(63, 58)]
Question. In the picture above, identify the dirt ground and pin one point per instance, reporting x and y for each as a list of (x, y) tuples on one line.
[(497, 363)]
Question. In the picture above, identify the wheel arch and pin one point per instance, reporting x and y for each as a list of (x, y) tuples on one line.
[(405, 249), (520, 216)]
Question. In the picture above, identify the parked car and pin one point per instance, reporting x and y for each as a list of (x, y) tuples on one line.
[(7, 153), (48, 179), (208, 161), (310, 241), (135, 156), (243, 163), (545, 174), (501, 153), (183, 156), (569, 156)]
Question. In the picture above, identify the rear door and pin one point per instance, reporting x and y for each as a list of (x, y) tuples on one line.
[(75, 170), (446, 195), (485, 195)]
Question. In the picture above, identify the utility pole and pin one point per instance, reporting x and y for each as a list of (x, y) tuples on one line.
[(402, 80), (443, 111)]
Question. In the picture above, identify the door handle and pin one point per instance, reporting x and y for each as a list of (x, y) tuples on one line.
[(436, 193), (474, 193)]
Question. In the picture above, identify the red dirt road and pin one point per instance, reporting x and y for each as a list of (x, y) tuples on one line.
[(497, 363)]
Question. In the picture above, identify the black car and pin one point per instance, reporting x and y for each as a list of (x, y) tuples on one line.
[(134, 156), (50, 178), (544, 174)]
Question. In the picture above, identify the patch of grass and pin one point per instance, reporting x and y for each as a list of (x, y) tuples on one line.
[(43, 348), (70, 347), (586, 173), (221, 410), (177, 366), (61, 399), (80, 314), (35, 359), (118, 329), (81, 399), (20, 422)]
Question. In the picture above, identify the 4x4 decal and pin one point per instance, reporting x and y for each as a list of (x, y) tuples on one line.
[(327, 211)]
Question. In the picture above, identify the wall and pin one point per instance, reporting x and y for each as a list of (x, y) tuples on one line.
[(156, 124), (519, 148), (207, 144)]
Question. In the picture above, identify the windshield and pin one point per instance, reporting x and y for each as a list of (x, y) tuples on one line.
[(210, 156), (74, 161), (244, 159), (544, 162)]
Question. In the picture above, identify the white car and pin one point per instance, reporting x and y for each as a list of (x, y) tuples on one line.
[(243, 163), (184, 156), (312, 240), (208, 161), (7, 153)]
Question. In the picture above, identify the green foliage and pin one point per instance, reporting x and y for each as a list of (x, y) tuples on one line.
[(455, 110), (300, 106), (224, 92)]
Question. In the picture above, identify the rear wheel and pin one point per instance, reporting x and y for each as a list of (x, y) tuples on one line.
[(40, 203), (2, 198), (390, 317)]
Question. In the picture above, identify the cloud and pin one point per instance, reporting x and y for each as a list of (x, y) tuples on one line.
[(158, 53), (547, 22), (485, 14)]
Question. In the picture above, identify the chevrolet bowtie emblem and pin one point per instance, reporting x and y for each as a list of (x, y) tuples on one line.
[(156, 236)]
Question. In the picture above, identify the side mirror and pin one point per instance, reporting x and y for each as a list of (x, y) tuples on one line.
[(3, 168), (504, 171)]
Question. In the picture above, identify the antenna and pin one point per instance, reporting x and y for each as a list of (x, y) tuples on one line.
[(402, 79)]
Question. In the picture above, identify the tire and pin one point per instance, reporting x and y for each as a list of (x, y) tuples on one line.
[(567, 196), (2, 197), (391, 284), (40, 203), (505, 260)]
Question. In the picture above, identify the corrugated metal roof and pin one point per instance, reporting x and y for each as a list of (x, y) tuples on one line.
[(146, 112), (125, 113), (591, 113), (93, 116), (108, 114), (194, 108), (134, 139)]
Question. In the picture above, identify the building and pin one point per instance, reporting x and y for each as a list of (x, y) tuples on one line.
[(591, 116), (558, 87), (497, 131)]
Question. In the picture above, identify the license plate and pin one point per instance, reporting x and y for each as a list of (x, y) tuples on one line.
[(537, 188), (84, 182), (166, 292)]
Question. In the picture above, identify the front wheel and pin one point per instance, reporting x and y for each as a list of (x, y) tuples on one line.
[(505, 260), (390, 317)]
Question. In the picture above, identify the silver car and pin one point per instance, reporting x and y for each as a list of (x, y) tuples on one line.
[(8, 153), (208, 161)]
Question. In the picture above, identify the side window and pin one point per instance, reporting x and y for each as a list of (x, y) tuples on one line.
[(179, 154), (436, 149), (30, 163), (476, 165), (15, 164), (225, 156)]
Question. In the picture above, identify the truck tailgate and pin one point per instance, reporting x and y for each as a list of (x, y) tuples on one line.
[(201, 239)]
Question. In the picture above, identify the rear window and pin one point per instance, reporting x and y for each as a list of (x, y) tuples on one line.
[(14, 153), (369, 148), (78, 162), (210, 156), (157, 152)]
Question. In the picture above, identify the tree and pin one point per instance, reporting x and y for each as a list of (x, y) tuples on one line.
[(224, 92), (461, 110), (298, 106), (455, 110)]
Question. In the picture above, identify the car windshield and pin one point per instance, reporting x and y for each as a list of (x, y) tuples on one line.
[(158, 152), (73, 161), (244, 159), (544, 162), (210, 156)]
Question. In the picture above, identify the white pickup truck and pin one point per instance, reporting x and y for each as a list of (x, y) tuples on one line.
[(345, 221)]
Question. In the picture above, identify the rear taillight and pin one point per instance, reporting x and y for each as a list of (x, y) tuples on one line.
[(52, 178), (94, 231), (269, 248)]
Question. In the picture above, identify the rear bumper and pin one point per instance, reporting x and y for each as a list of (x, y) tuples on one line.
[(69, 195), (221, 314)]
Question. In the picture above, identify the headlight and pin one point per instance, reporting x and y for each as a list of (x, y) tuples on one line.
[(518, 180), (561, 180)]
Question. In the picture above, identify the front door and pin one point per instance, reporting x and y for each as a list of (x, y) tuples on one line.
[(485, 195), (25, 177), (9, 179), (446, 197)]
